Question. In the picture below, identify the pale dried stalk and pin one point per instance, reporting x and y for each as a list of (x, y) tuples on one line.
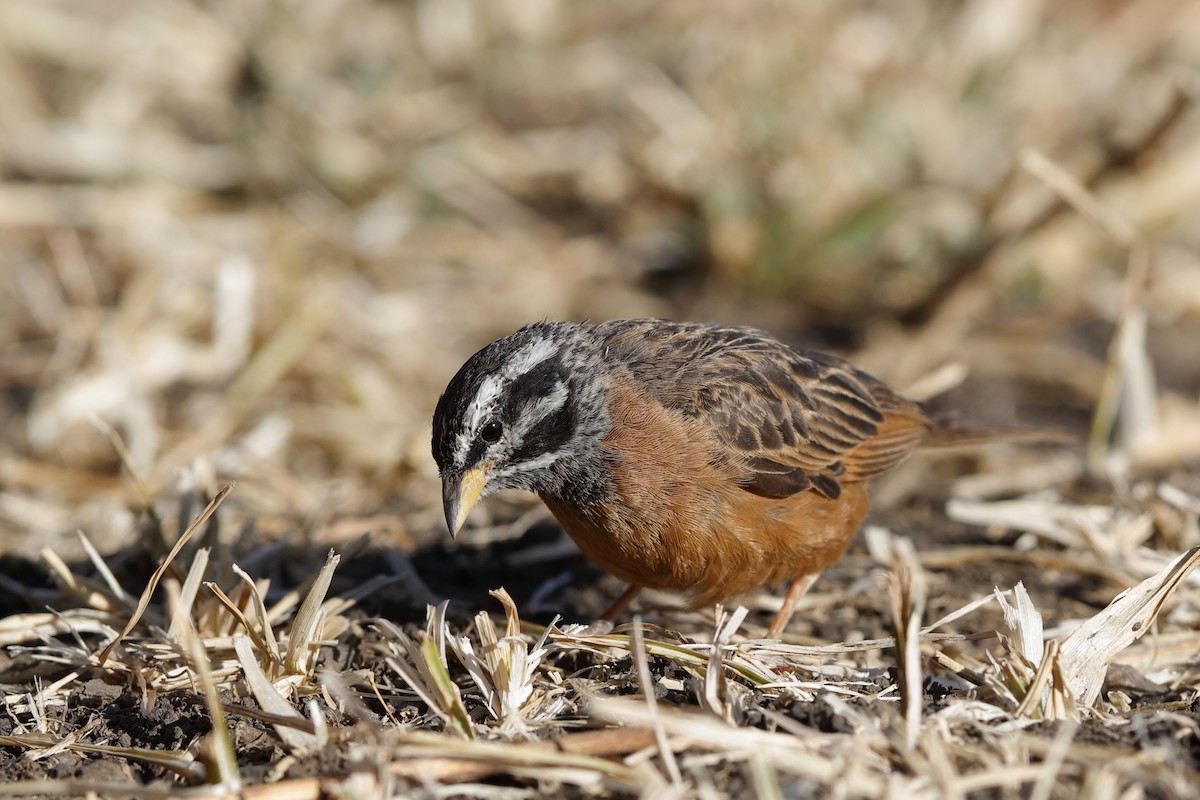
[(101, 565), (306, 627), (148, 592), (240, 616), (1087, 652), (179, 762), (906, 583), (217, 746), (187, 596), (91, 593), (714, 693), (257, 595), (647, 682), (270, 700)]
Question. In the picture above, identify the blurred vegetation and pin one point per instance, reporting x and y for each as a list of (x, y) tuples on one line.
[(264, 233)]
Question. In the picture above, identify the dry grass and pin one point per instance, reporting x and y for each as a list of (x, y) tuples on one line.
[(250, 241)]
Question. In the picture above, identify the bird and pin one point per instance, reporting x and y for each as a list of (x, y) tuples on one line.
[(687, 456)]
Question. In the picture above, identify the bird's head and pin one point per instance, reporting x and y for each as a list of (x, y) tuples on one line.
[(525, 412)]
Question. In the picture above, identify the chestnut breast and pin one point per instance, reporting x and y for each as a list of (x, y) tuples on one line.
[(678, 518)]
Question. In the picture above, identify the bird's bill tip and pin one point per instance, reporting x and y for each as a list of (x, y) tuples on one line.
[(460, 493)]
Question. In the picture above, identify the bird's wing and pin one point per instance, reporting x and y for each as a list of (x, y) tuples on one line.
[(791, 419)]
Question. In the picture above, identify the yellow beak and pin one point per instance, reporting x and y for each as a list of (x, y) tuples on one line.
[(460, 493)]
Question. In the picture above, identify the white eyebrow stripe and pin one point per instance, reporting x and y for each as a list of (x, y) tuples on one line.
[(485, 400), (481, 408), (528, 357), (483, 405)]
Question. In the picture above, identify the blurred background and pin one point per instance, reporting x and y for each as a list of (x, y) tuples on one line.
[(252, 239)]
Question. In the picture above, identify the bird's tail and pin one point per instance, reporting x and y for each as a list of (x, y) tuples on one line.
[(949, 431)]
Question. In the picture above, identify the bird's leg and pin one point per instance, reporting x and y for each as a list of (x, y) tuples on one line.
[(604, 623), (621, 603), (800, 585)]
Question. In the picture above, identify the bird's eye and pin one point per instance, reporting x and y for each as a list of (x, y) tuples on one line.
[(491, 430)]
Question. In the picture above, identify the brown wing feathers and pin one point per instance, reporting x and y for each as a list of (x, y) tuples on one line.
[(796, 420)]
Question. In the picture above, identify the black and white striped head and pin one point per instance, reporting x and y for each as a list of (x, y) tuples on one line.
[(525, 412)]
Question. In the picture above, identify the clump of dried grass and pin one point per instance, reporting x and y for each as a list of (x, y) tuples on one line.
[(508, 688)]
